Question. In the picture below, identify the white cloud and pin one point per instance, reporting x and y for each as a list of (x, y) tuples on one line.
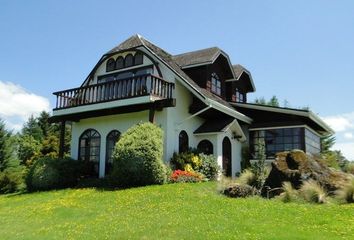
[(18, 104), (341, 122), (348, 135)]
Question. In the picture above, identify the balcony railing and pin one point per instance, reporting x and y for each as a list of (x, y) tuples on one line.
[(137, 86)]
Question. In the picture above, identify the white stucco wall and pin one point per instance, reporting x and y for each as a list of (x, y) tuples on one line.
[(172, 120)]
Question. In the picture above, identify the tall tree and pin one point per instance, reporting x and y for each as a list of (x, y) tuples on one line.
[(32, 128), (5, 148), (273, 101), (327, 143), (43, 123)]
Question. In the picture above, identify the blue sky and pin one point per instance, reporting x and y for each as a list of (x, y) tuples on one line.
[(301, 51)]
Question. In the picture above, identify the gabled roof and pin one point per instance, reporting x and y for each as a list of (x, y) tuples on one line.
[(202, 57), (207, 97), (197, 57), (239, 70), (221, 125)]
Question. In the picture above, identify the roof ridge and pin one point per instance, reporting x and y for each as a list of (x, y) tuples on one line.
[(199, 50)]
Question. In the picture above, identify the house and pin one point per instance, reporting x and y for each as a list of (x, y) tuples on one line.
[(198, 98)]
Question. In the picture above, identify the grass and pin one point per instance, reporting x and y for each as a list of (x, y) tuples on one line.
[(174, 211)]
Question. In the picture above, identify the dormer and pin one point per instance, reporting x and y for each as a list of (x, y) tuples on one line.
[(210, 68), (238, 88)]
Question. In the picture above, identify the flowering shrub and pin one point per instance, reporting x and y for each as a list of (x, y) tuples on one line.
[(191, 161), (185, 176)]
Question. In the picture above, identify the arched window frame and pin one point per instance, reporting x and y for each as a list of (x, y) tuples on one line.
[(183, 142), (206, 146), (90, 134), (113, 136), (110, 65), (138, 58), (119, 62), (129, 60), (227, 156)]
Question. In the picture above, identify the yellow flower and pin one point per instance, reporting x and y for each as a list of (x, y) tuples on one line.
[(188, 168)]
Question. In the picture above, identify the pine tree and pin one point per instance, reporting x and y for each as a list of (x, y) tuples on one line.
[(32, 128), (5, 149), (273, 102)]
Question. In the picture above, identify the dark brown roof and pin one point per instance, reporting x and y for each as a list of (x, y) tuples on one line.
[(137, 41), (211, 126), (197, 57)]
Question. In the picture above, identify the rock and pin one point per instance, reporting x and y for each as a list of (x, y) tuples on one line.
[(296, 167), (239, 191)]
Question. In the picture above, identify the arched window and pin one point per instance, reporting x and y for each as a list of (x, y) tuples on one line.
[(89, 150), (226, 157), (120, 62), (111, 140), (138, 58), (110, 65), (183, 142), (129, 61), (205, 146)]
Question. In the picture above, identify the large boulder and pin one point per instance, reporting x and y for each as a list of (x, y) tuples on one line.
[(296, 167)]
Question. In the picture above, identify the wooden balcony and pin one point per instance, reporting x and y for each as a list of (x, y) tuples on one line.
[(144, 85)]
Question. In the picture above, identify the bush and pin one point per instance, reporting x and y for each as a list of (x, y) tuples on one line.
[(346, 194), (192, 161), (247, 177), (185, 176), (239, 191), (49, 173), (289, 194), (137, 159), (209, 166), (349, 168), (312, 192), (12, 180)]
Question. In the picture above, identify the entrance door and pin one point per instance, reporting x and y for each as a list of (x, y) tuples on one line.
[(226, 157)]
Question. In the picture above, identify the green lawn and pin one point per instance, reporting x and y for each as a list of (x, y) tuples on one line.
[(174, 211)]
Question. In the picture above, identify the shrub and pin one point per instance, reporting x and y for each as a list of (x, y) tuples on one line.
[(181, 160), (239, 191), (289, 194), (137, 158), (346, 193), (49, 173), (209, 166), (185, 176), (12, 180), (247, 177), (349, 168), (312, 192)]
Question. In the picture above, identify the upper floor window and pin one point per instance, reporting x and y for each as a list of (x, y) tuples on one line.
[(240, 97), (110, 65), (138, 58), (122, 62), (129, 60), (215, 84)]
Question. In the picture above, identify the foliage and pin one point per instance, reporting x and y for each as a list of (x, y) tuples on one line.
[(12, 180), (5, 148), (259, 168), (32, 128), (327, 142), (247, 177), (239, 191), (209, 166), (28, 150), (289, 193), (178, 176), (137, 158), (193, 161), (50, 173), (334, 159), (312, 192), (274, 102), (346, 193), (349, 167)]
